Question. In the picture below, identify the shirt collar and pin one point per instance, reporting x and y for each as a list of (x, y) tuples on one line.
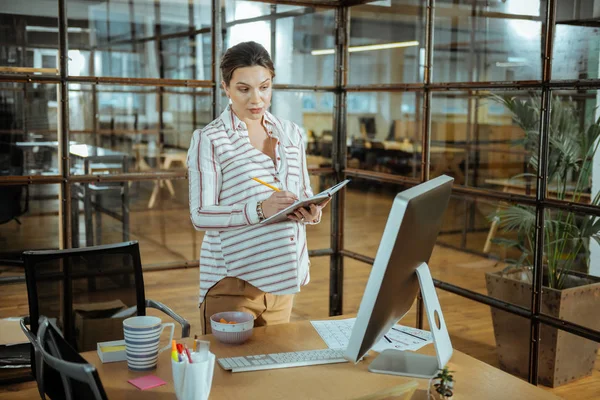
[(232, 122)]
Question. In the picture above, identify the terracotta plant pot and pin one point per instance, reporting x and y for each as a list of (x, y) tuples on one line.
[(564, 357)]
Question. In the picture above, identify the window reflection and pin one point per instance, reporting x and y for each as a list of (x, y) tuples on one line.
[(502, 43), (479, 138), (384, 132), (140, 39), (387, 42), (291, 35), (28, 128), (152, 125)]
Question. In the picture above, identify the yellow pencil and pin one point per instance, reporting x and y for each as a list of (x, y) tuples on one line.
[(266, 184)]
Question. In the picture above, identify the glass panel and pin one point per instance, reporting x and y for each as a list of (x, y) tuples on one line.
[(573, 157), (313, 300), (145, 211), (475, 337), (313, 113), (356, 275), (572, 267), (576, 47), (319, 235), (368, 204), (119, 39), (28, 220), (501, 44), (156, 214), (127, 126), (296, 43), (387, 42), (241, 9), (486, 246), (384, 132), (29, 38), (28, 129), (485, 139)]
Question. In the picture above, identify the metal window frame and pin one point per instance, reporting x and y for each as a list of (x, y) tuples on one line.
[(340, 89)]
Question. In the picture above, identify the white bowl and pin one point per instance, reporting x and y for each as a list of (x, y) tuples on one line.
[(236, 333)]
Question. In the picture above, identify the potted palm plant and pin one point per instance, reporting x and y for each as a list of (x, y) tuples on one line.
[(568, 293)]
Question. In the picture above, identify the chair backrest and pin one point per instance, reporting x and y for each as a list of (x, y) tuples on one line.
[(66, 374), (36, 355), (84, 288), (14, 199)]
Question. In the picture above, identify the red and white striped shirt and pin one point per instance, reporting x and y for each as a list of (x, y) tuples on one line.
[(223, 197)]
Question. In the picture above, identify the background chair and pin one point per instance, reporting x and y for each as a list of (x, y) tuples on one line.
[(14, 200), (62, 372), (89, 291)]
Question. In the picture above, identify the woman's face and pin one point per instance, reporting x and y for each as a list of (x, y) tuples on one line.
[(250, 92)]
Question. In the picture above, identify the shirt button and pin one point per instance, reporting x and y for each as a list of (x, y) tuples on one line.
[(278, 158)]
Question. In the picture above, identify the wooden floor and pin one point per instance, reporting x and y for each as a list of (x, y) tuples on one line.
[(165, 236)]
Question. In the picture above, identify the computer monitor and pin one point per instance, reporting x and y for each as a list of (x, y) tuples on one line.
[(400, 268), (367, 127)]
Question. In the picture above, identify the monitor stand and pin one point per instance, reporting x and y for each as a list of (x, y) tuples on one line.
[(410, 363)]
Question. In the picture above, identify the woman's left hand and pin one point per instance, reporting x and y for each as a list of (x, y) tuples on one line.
[(303, 215)]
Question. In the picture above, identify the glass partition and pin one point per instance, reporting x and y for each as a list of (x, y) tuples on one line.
[(128, 126), (300, 40), (140, 39), (387, 42), (575, 49), (493, 41), (486, 139), (29, 39), (481, 246), (313, 113), (573, 154), (28, 221), (28, 129), (368, 205), (384, 132)]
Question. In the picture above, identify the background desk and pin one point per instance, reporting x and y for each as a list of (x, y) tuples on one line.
[(474, 379)]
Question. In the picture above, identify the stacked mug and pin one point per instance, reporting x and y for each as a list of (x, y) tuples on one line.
[(142, 338)]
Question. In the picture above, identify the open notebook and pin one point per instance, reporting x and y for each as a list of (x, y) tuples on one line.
[(316, 199)]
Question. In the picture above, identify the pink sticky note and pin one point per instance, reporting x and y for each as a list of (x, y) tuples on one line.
[(147, 382)]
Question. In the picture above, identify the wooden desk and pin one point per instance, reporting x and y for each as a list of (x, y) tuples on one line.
[(474, 379)]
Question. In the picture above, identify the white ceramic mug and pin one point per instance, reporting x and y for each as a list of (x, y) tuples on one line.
[(142, 338)]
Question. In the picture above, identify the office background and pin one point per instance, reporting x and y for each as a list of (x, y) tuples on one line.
[(97, 108)]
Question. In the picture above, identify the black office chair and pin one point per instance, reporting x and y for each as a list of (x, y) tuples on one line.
[(14, 199), (89, 291), (62, 372)]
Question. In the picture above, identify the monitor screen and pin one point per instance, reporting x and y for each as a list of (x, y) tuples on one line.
[(408, 240)]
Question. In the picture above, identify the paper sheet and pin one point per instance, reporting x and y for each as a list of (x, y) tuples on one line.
[(336, 334)]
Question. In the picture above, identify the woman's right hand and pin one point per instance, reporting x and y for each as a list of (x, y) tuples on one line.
[(277, 202)]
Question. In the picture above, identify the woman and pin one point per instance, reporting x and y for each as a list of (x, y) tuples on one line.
[(246, 265)]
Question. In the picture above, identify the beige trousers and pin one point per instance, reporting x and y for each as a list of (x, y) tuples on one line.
[(233, 294)]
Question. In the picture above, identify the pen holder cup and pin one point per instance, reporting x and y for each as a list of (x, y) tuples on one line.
[(193, 381)]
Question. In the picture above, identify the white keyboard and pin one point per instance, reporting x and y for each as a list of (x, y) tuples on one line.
[(282, 360)]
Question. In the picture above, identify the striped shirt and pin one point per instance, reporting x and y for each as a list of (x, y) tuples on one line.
[(223, 197)]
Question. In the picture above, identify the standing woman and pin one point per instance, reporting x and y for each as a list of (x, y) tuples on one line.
[(246, 265)]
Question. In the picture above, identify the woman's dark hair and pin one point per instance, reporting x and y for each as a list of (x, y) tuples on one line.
[(246, 54)]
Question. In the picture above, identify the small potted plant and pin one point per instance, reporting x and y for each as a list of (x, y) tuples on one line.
[(444, 382)]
